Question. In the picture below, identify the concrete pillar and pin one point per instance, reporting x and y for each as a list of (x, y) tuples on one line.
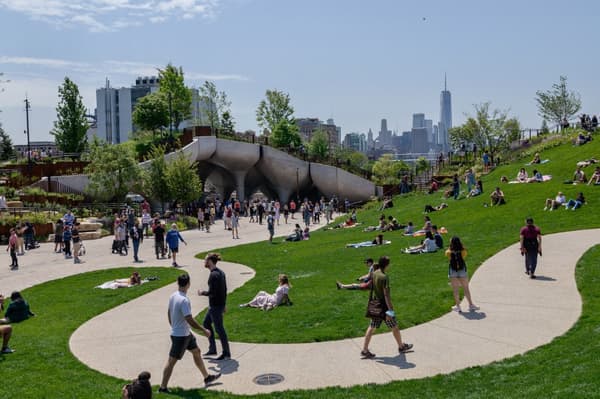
[(240, 183), (284, 194)]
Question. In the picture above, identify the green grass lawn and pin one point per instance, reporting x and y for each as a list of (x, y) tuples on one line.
[(419, 284), (43, 367)]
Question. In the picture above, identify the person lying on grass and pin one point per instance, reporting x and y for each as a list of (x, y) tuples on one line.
[(364, 280), (265, 301)]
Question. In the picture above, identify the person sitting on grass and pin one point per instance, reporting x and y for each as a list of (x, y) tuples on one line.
[(575, 203), (17, 311), (306, 233), (439, 240), (536, 158), (5, 333), (427, 246), (536, 178), (377, 241), (497, 197), (380, 227), (296, 235), (522, 176), (595, 179), (579, 176), (409, 229), (266, 301), (477, 190), (555, 203), (364, 281)]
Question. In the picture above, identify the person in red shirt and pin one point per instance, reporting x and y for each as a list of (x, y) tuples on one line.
[(292, 208), (531, 246)]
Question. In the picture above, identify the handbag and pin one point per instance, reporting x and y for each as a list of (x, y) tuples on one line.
[(375, 309)]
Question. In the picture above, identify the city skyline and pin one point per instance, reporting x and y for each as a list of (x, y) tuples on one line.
[(327, 66)]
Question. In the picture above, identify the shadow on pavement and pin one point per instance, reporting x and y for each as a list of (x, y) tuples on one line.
[(473, 315), (399, 361)]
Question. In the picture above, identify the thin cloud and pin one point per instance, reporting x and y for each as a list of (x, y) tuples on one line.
[(110, 67), (111, 15)]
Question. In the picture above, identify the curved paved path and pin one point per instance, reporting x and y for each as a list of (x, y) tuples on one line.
[(517, 314)]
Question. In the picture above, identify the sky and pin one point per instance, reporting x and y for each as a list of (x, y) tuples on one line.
[(354, 61)]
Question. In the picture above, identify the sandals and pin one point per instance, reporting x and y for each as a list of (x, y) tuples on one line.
[(405, 348), (367, 354)]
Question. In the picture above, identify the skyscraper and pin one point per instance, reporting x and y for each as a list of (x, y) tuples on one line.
[(445, 117), (418, 121)]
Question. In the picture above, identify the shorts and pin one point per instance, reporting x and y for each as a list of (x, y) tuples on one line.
[(391, 322), (180, 344), (458, 273), (58, 239)]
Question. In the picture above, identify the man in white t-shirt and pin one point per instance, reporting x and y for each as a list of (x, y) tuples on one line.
[(182, 339)]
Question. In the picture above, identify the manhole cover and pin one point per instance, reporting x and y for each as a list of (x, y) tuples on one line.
[(268, 379)]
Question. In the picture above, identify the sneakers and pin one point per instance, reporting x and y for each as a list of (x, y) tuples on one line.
[(211, 378), (473, 308), (405, 348), (338, 285), (175, 264), (456, 308), (163, 390), (367, 354), (210, 353), (6, 350)]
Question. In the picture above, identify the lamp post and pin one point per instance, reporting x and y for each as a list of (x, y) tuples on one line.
[(27, 106), (297, 186)]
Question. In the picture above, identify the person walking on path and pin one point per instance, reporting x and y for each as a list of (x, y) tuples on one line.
[(531, 246), (457, 273), (159, 238), (58, 233), (67, 240), (235, 225), (217, 306), (271, 226), (180, 319), (381, 289), (76, 243), (136, 234), (12, 249), (172, 239)]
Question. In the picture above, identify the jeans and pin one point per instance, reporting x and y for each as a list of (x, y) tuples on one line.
[(531, 260), (136, 246), (573, 204), (214, 316)]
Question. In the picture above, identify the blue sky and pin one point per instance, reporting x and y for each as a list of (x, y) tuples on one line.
[(354, 61)]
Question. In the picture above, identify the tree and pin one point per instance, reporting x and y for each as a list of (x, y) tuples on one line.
[(318, 147), (7, 150), (154, 178), (274, 109), (113, 170), (215, 105), (227, 123), (421, 165), (285, 135), (183, 181), (70, 128), (151, 112), (387, 170), (544, 129), (176, 94), (558, 104), (487, 129)]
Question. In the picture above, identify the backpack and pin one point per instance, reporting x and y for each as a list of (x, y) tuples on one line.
[(456, 261)]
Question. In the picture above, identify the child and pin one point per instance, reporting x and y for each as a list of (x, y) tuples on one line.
[(235, 223)]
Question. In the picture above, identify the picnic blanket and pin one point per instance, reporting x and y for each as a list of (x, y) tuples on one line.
[(366, 244), (544, 178), (543, 161), (119, 283)]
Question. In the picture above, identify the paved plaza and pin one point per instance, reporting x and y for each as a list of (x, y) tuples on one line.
[(517, 314)]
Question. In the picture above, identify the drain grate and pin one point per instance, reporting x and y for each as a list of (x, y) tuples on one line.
[(268, 379)]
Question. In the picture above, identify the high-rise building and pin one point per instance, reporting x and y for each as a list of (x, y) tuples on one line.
[(445, 117), (309, 126), (385, 135), (114, 108), (428, 125), (418, 121), (370, 141), (356, 142)]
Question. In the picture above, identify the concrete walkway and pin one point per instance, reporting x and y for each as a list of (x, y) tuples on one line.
[(517, 314)]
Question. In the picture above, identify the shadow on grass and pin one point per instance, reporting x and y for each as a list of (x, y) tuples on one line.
[(398, 361)]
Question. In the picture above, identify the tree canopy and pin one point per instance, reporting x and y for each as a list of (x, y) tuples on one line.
[(318, 147), (154, 177), (183, 182), (487, 129), (214, 106), (274, 109), (113, 170), (151, 112), (559, 103), (176, 94), (387, 170), (6, 145), (285, 135), (70, 127)]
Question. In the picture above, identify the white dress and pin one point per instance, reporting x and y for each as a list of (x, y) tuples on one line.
[(264, 299)]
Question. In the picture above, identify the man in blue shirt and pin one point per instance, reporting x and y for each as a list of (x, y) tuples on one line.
[(172, 239)]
